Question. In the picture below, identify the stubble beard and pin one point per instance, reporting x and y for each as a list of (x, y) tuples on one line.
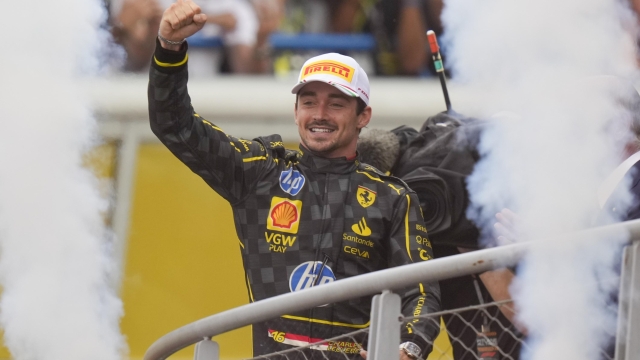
[(321, 149)]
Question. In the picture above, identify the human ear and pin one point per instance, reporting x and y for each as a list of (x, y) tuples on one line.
[(364, 117)]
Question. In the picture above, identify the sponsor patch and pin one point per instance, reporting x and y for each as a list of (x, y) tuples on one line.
[(329, 67), (344, 347), (279, 242), (291, 181), (423, 240), (305, 275), (366, 197), (355, 251), (361, 228), (284, 215)]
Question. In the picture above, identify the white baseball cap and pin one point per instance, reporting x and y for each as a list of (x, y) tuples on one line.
[(341, 71)]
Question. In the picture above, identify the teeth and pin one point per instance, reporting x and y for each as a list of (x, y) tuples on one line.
[(321, 130)]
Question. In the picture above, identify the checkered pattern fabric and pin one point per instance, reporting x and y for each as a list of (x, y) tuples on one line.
[(302, 220)]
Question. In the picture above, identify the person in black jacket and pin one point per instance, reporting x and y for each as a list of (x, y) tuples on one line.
[(435, 162), (307, 217)]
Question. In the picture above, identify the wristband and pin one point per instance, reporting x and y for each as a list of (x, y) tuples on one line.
[(163, 39)]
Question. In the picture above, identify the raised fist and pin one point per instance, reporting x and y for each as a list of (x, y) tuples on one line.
[(181, 20)]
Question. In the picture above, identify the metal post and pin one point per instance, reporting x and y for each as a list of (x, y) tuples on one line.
[(207, 350), (384, 332), (125, 178), (627, 344)]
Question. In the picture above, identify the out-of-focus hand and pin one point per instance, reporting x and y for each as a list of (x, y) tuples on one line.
[(270, 14), (505, 227), (403, 355), (226, 21), (181, 20), (140, 18)]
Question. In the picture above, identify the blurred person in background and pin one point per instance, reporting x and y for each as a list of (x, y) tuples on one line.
[(135, 27), (399, 27), (304, 218), (237, 22), (271, 14), (244, 26), (619, 190), (435, 162)]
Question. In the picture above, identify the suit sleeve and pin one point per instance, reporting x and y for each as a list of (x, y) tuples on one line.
[(410, 244), (231, 166)]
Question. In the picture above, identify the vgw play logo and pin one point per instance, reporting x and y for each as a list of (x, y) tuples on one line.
[(307, 274), (291, 181)]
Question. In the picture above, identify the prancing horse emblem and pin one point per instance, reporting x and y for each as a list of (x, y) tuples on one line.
[(365, 196)]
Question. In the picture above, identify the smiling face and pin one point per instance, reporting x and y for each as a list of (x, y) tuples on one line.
[(327, 120)]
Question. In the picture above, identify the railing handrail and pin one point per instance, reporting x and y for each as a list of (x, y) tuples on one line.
[(363, 285)]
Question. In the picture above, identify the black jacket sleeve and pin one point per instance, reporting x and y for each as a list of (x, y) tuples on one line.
[(410, 244), (231, 166)]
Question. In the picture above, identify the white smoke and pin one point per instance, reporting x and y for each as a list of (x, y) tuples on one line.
[(54, 248), (549, 150)]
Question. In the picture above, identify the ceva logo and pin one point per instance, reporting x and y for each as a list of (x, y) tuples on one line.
[(291, 181), (305, 275)]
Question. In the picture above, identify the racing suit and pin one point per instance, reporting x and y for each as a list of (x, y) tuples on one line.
[(302, 220)]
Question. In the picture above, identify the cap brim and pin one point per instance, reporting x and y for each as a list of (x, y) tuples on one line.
[(340, 87)]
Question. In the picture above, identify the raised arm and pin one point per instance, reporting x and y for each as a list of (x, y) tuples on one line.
[(231, 166)]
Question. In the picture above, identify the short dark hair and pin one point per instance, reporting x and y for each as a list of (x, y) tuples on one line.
[(360, 104)]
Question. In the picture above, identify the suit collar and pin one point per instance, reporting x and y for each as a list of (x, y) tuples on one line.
[(320, 164)]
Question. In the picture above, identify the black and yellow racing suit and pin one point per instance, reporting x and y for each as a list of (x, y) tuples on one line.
[(302, 220)]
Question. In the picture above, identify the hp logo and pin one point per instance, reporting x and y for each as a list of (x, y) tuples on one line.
[(306, 274), (291, 181)]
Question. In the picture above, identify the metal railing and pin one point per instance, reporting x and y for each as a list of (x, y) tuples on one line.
[(385, 312)]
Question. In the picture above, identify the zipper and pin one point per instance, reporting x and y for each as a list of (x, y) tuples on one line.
[(325, 197)]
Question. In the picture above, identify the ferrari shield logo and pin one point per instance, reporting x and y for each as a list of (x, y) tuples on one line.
[(365, 196)]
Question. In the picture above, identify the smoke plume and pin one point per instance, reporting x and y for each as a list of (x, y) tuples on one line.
[(54, 250), (557, 131)]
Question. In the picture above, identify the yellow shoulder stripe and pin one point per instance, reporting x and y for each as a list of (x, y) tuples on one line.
[(326, 322), (255, 158), (249, 287), (369, 176), (406, 226), (395, 188), (162, 64)]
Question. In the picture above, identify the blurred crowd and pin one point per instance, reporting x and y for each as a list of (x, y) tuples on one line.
[(244, 26)]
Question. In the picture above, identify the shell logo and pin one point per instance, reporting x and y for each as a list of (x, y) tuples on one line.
[(284, 215)]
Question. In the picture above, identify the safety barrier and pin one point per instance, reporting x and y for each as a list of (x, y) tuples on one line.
[(384, 332)]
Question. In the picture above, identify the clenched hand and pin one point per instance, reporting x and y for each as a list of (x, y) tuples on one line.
[(181, 20)]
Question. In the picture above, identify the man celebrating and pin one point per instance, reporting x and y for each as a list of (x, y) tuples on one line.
[(304, 218)]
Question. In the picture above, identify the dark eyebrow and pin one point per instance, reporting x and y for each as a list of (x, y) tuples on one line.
[(331, 96), (339, 96), (307, 93)]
